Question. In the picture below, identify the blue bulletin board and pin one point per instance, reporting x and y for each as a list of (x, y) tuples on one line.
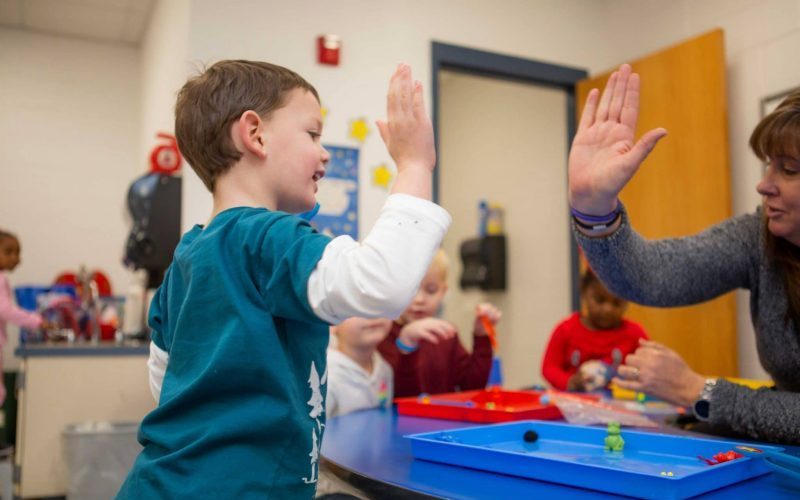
[(338, 194)]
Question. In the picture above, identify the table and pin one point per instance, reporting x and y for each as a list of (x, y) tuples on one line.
[(368, 450)]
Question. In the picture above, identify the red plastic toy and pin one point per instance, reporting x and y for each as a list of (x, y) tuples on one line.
[(483, 406), (723, 456)]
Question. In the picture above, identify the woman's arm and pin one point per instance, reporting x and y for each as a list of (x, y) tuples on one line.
[(763, 414), (676, 271)]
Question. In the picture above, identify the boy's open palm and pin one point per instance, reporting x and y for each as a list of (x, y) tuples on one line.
[(604, 156), (407, 131)]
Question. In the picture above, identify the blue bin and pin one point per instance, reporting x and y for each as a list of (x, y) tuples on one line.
[(27, 299), (27, 295)]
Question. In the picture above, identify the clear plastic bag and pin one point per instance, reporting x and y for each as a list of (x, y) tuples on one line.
[(586, 411)]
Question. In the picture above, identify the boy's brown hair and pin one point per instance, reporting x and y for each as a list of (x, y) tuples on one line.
[(209, 103)]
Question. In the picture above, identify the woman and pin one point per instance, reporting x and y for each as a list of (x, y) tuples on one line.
[(759, 252)]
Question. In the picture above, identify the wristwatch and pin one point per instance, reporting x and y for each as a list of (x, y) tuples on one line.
[(702, 406)]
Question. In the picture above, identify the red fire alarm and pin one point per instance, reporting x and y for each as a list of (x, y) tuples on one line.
[(328, 47)]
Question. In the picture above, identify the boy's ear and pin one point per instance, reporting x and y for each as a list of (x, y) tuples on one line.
[(248, 134)]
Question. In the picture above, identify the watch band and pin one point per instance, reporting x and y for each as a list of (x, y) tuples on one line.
[(702, 406)]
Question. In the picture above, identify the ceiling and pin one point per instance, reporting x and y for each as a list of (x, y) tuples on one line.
[(114, 21)]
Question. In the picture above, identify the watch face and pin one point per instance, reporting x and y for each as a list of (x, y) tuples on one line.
[(701, 409)]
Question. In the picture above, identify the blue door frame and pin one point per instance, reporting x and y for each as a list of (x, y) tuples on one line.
[(479, 62)]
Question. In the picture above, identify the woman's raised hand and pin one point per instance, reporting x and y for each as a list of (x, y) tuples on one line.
[(604, 156)]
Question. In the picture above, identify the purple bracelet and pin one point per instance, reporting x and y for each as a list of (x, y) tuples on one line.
[(597, 219)]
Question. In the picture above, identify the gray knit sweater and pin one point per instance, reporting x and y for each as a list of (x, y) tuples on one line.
[(683, 271)]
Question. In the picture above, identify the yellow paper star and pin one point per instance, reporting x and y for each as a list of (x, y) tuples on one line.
[(359, 129), (382, 176), (324, 112)]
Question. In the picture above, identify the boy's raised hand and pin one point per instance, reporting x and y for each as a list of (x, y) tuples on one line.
[(408, 134), (430, 329), (604, 156)]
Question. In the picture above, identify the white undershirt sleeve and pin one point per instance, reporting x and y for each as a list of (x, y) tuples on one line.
[(157, 367), (377, 277)]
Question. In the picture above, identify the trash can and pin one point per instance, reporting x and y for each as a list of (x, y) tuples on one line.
[(98, 457)]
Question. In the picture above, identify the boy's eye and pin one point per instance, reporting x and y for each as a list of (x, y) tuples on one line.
[(314, 134)]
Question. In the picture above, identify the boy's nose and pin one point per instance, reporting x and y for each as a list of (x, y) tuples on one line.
[(326, 156)]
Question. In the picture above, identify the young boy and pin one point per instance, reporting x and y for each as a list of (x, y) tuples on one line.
[(424, 351), (240, 323), (583, 342)]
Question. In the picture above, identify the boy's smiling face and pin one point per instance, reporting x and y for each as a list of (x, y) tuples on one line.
[(294, 152)]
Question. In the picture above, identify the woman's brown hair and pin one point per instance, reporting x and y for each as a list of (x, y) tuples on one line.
[(778, 134)]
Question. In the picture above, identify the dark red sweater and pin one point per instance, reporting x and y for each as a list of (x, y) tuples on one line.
[(437, 368), (572, 344)]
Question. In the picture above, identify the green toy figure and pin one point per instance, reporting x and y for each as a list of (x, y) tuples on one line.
[(614, 441)]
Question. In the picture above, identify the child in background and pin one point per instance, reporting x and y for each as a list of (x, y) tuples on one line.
[(584, 348), (240, 322), (425, 352), (10, 313), (358, 377)]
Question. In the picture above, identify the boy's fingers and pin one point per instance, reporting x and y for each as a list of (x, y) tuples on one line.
[(393, 96), (383, 131), (418, 100), (406, 91)]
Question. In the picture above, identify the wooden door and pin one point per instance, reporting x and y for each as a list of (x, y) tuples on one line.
[(684, 186)]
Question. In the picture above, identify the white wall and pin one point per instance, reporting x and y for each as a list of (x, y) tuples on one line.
[(378, 34), (69, 119), (164, 68), (761, 38)]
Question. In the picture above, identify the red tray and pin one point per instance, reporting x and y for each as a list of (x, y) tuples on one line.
[(484, 406)]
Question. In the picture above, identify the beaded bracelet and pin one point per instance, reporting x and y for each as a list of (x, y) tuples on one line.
[(405, 348), (602, 226)]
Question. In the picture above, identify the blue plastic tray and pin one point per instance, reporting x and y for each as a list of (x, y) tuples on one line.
[(575, 455)]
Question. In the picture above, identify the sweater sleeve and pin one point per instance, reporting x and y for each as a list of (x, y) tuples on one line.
[(676, 271), (13, 314), (553, 361), (764, 414), (472, 369)]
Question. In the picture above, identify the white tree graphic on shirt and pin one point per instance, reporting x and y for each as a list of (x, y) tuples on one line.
[(317, 404)]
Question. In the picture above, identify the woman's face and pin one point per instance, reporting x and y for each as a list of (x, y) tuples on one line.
[(780, 188)]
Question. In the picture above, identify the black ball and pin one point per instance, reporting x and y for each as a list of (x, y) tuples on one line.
[(530, 436)]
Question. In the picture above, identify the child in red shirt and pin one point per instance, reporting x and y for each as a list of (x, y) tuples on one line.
[(424, 351), (584, 346)]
